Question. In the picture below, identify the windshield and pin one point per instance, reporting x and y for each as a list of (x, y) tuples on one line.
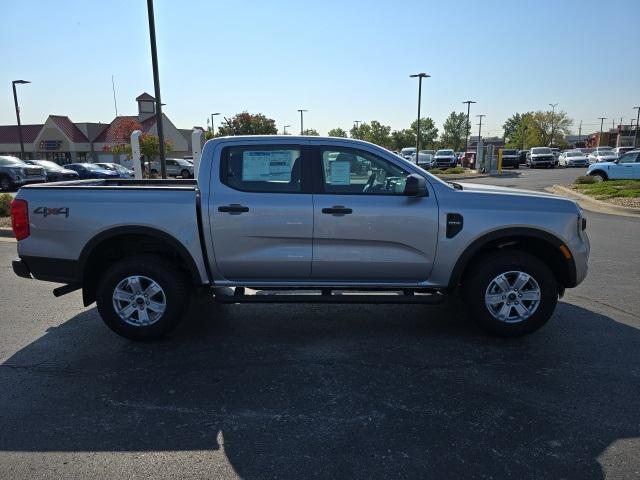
[(91, 166), (509, 152), (574, 154), (444, 152), (11, 161), (606, 152), (407, 151), (542, 150), (107, 166), (47, 164)]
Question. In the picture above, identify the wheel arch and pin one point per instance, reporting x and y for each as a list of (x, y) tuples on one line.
[(600, 172), (120, 242), (545, 246)]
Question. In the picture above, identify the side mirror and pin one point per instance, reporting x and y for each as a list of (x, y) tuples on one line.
[(415, 186)]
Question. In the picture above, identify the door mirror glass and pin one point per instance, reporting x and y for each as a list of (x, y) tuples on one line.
[(415, 186)]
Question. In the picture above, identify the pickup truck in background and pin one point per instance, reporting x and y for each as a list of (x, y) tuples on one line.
[(291, 219), (510, 158), (541, 157)]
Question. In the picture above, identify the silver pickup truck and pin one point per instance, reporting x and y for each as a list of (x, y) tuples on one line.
[(300, 219)]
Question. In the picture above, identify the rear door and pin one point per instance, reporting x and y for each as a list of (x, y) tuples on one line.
[(365, 228), (262, 213), (625, 167)]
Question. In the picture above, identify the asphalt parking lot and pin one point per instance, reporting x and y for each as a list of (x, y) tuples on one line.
[(342, 391)]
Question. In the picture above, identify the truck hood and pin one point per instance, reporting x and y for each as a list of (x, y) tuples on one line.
[(494, 189)]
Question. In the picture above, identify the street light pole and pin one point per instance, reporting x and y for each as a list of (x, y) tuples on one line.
[(284, 129), (15, 101), (302, 120), (156, 85), (479, 129), (635, 137), (466, 138), (212, 115), (419, 76), (602, 119), (553, 114)]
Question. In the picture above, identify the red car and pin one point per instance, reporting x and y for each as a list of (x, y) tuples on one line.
[(468, 159)]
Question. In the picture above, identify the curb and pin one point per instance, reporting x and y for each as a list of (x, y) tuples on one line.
[(589, 203), (6, 232)]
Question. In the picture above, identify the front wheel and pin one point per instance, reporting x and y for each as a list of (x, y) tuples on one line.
[(185, 174), (143, 297), (510, 293), (599, 176)]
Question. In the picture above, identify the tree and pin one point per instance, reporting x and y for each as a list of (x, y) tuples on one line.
[(312, 132), (515, 130), (403, 138), (375, 132), (361, 132), (428, 132), (540, 124), (150, 146), (246, 123), (337, 132), (454, 131)]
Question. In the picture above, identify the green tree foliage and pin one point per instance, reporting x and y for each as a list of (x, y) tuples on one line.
[(337, 132), (246, 123), (311, 131), (454, 131), (403, 138), (374, 132), (541, 123), (150, 146), (361, 132), (428, 132)]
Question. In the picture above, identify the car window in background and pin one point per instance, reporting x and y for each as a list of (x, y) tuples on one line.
[(540, 150)]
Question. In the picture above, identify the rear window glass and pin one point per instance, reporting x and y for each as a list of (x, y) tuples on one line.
[(262, 169)]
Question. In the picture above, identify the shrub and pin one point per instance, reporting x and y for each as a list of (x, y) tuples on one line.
[(5, 204), (454, 170), (585, 180)]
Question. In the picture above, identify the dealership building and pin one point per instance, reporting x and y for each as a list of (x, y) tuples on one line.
[(64, 141)]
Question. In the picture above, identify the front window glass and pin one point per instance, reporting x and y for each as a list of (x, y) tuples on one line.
[(541, 151), (11, 161), (350, 171), (444, 152)]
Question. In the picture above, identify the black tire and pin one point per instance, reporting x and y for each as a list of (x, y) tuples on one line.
[(185, 174), (516, 167), (600, 175), (5, 183), (479, 277), (175, 293)]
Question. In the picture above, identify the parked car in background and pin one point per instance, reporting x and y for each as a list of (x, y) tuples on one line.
[(510, 158), (599, 156), (91, 170), (425, 160), (124, 172), (626, 167), (573, 158), (522, 157), (175, 167), (14, 173), (407, 152), (445, 158), (586, 150), (468, 159), (620, 150), (53, 171), (541, 157)]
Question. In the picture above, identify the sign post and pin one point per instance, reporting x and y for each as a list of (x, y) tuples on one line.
[(135, 153), (196, 148)]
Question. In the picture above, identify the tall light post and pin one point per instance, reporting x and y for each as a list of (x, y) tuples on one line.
[(284, 129), (419, 76), (213, 115), (466, 138), (553, 114), (632, 131), (635, 137), (357, 123), (15, 100), (479, 129), (156, 86), (302, 120), (602, 119)]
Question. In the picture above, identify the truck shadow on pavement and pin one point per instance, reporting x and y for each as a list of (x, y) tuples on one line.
[(335, 392)]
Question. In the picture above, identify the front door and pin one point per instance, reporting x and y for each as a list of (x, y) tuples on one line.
[(262, 214), (365, 228), (625, 167)]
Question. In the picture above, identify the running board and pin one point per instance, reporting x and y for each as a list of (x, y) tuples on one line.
[(327, 296)]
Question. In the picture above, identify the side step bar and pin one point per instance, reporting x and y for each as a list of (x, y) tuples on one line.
[(326, 296)]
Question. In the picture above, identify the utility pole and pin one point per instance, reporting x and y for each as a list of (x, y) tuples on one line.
[(419, 76), (15, 101), (302, 120), (635, 137), (156, 85), (553, 114), (602, 119), (466, 138), (212, 115), (479, 129), (580, 132), (357, 123), (284, 129)]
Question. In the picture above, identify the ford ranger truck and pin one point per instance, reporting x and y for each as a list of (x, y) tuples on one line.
[(300, 219)]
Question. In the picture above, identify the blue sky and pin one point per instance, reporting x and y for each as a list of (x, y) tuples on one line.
[(341, 60)]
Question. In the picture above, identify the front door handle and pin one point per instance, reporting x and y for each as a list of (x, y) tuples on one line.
[(233, 208), (337, 210)]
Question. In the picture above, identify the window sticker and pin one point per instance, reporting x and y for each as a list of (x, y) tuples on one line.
[(267, 166), (340, 173)]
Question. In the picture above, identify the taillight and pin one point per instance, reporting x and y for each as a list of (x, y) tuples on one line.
[(20, 218)]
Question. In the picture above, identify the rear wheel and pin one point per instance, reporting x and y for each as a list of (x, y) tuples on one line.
[(510, 293), (142, 298), (5, 183), (185, 174)]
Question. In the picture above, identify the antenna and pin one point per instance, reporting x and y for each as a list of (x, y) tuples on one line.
[(113, 87)]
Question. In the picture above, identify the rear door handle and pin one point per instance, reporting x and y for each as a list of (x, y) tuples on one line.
[(233, 208), (337, 210)]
